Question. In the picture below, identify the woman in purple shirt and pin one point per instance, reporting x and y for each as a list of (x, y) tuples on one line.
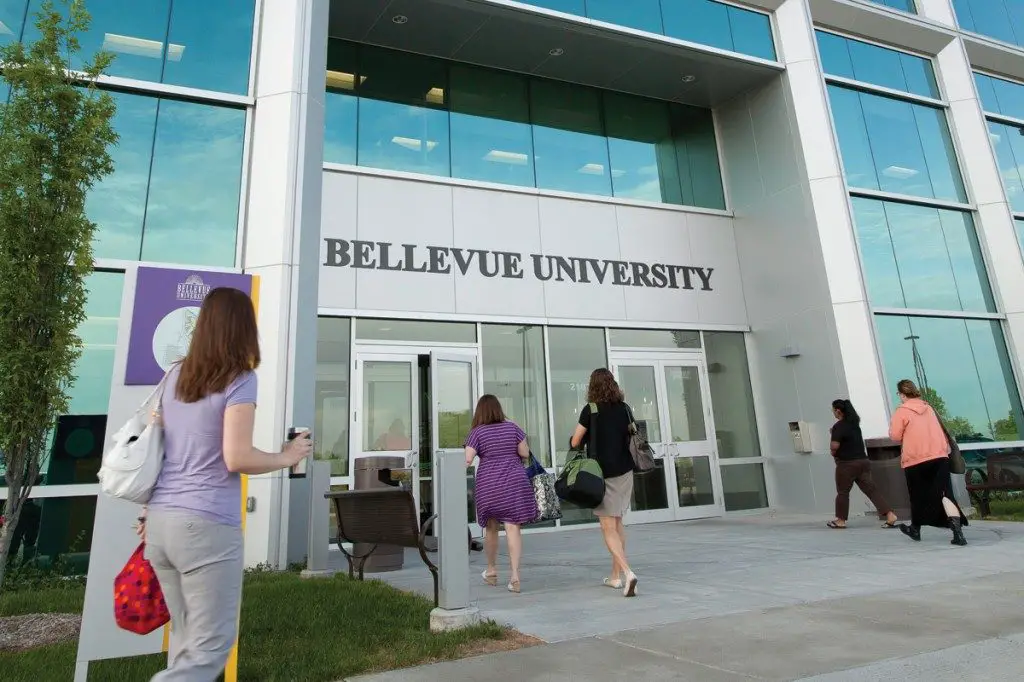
[(193, 525)]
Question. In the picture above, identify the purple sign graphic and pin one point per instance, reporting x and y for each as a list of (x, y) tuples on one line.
[(164, 314)]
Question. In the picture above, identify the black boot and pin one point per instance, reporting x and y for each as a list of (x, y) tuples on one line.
[(912, 532), (958, 533)]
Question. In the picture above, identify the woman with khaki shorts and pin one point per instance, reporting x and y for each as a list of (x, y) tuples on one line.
[(611, 450)]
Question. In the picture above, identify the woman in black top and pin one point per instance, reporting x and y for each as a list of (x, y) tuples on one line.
[(852, 466), (611, 450)]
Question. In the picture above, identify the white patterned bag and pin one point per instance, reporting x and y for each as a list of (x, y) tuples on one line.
[(548, 505), (130, 469)]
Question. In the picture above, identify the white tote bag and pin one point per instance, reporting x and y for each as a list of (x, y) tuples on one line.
[(130, 469)]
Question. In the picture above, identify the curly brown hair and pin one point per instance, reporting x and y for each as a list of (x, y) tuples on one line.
[(603, 388)]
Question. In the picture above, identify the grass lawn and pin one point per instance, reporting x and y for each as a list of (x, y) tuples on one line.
[(292, 630), (1007, 509)]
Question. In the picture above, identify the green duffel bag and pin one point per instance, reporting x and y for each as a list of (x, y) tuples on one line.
[(581, 482)]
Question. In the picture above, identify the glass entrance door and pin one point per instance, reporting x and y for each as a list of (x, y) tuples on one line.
[(453, 384), (671, 405)]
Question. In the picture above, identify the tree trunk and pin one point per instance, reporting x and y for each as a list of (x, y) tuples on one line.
[(12, 512)]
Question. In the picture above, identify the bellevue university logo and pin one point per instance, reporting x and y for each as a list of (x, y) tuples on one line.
[(192, 289)]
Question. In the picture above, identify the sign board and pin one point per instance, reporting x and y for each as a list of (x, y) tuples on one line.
[(152, 296)]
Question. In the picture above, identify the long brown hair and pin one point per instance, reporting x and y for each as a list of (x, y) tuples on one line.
[(488, 411), (603, 388), (908, 388), (225, 344)]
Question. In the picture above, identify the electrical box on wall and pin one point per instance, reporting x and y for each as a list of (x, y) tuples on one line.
[(800, 432)]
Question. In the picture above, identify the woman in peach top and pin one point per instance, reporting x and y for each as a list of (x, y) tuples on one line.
[(925, 461)]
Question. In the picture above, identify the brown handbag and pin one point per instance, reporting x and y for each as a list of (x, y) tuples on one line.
[(639, 448)]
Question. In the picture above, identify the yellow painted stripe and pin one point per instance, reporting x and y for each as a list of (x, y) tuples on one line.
[(166, 646)]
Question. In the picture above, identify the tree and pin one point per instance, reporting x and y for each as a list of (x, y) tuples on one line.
[(54, 134), (959, 427), (1006, 429)]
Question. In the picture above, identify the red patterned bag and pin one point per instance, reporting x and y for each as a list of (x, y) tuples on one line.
[(138, 600)]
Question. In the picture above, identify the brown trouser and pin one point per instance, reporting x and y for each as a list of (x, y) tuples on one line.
[(856, 471)]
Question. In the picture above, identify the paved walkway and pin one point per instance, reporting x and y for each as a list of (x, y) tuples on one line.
[(764, 597)]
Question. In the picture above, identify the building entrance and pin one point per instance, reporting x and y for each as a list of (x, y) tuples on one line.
[(413, 403), (672, 405)]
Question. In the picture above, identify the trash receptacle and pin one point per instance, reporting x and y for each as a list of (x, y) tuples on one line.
[(884, 454), (387, 557)]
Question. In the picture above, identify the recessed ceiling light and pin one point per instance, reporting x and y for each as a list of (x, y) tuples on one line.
[(689, 78), (400, 19), (556, 52)]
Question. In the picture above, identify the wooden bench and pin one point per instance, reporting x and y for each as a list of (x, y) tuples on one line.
[(383, 516), (1002, 473)]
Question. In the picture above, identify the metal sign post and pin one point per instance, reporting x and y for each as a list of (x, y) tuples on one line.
[(454, 610)]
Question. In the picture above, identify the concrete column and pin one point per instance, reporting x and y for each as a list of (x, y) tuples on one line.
[(817, 143), (994, 219), (937, 10), (282, 246)]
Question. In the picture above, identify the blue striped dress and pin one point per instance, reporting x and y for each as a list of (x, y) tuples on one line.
[(502, 491)]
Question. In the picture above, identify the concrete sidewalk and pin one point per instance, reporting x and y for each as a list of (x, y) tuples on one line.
[(766, 597)]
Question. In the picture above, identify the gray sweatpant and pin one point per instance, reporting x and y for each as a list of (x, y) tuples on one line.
[(199, 564)]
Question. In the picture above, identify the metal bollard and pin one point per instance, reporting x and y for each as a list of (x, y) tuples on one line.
[(454, 610)]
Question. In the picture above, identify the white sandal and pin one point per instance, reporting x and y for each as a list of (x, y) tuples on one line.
[(614, 584), (630, 588)]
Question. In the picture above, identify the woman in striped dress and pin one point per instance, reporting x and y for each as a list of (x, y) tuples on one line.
[(503, 493)]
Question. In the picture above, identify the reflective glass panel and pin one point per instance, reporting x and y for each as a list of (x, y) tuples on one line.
[(697, 153), (653, 338), (751, 33), (693, 480), (644, 15), (575, 353), (743, 487), (195, 184), (976, 395), (117, 204), (921, 257), (568, 138), (55, 529), (1018, 223), (209, 44), (895, 146), (685, 404), (639, 383), (387, 406), (512, 363), (403, 122), (987, 17), (877, 65), (905, 5), (490, 126), (643, 155), (732, 398), (12, 16), (331, 434), (1000, 96), (698, 21), (577, 7), (416, 330), (452, 389), (1008, 143), (340, 106)]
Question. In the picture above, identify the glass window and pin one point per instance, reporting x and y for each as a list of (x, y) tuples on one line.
[(387, 406), (1008, 143), (697, 153), (209, 44), (56, 528), (572, 152), (340, 105), (333, 364), (576, 7), (193, 43), (644, 15), (895, 146), (976, 395), (117, 204), (732, 398), (12, 17), (987, 17), (490, 126), (1000, 96), (403, 122), (743, 487), (1019, 224), (639, 384), (416, 330), (194, 185), (643, 157), (905, 5), (876, 65), (513, 370), (698, 21), (921, 257), (653, 338), (751, 33)]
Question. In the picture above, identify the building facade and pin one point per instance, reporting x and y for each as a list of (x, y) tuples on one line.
[(745, 209)]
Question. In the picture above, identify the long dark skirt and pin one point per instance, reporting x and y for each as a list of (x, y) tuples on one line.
[(928, 482)]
